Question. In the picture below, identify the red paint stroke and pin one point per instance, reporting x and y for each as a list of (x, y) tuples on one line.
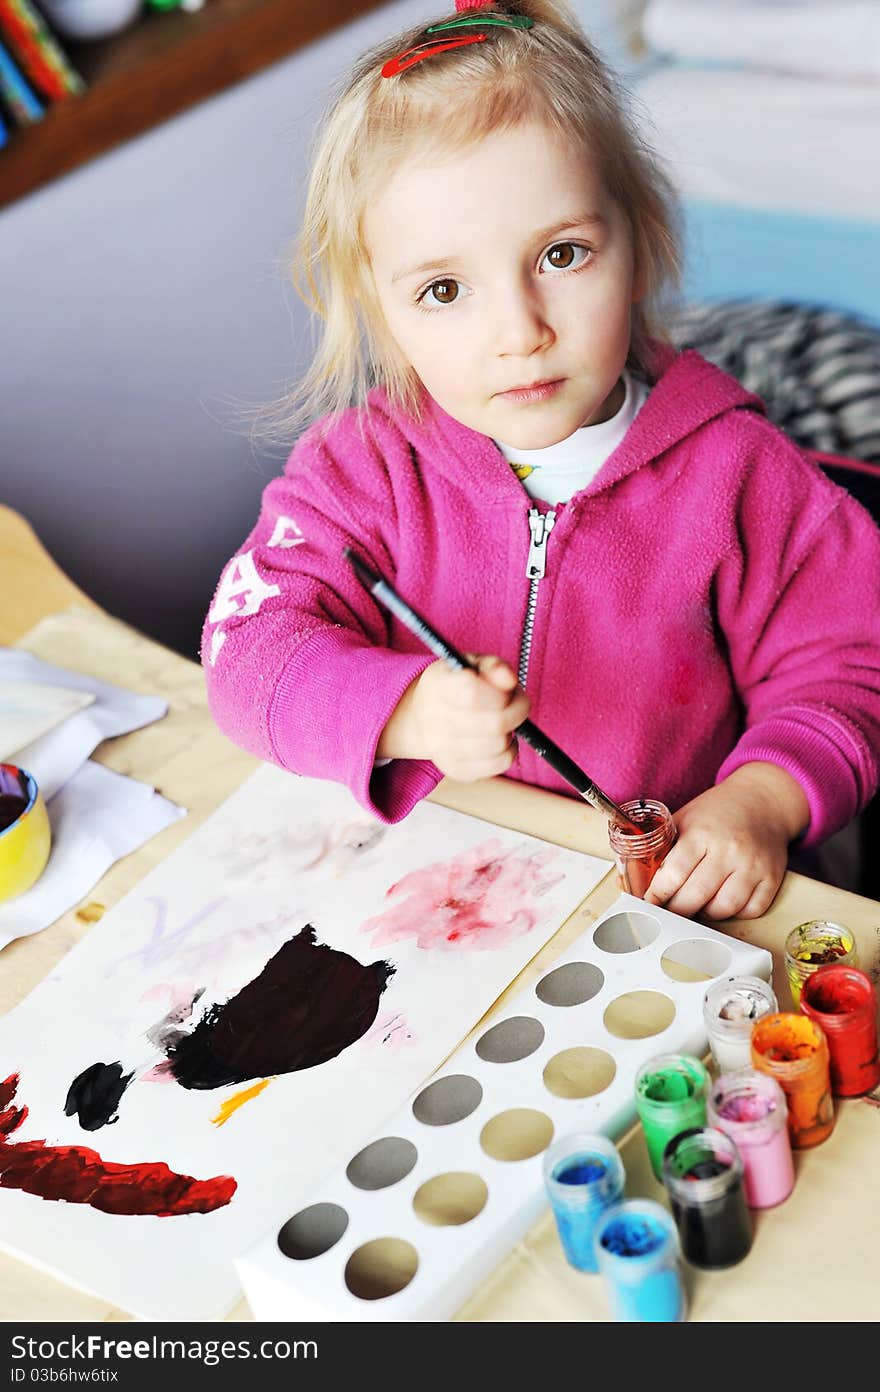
[(483, 898), (78, 1174)]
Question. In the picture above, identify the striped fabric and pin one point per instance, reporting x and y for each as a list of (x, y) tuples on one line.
[(817, 371)]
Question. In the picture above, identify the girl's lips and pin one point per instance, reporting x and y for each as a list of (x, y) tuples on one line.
[(541, 391)]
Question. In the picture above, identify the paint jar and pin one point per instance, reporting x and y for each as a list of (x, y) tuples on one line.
[(583, 1175), (730, 1009), (25, 833), (703, 1174), (638, 855), (671, 1094), (638, 1254), (813, 945), (843, 1003), (750, 1108), (793, 1050)]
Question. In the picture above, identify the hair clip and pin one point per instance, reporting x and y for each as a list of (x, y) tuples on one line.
[(467, 21), (464, 22), (415, 55)]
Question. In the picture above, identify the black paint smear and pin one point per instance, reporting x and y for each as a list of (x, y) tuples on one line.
[(309, 1003), (94, 1094)]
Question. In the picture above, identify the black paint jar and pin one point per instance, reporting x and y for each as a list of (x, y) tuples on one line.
[(703, 1174)]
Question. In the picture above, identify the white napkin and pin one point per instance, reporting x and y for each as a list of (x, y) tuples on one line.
[(97, 817), (56, 756), (30, 709)]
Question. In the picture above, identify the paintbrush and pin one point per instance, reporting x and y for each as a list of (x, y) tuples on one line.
[(528, 730)]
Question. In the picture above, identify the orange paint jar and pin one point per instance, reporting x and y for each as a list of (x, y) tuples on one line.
[(794, 1051)]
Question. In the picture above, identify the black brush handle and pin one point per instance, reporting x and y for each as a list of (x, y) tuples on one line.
[(528, 730)]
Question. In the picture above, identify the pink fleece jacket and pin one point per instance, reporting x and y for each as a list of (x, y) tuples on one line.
[(709, 599)]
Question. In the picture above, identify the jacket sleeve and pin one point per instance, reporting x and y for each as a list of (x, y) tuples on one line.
[(798, 599), (296, 652)]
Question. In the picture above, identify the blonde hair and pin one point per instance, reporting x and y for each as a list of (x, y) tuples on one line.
[(549, 73)]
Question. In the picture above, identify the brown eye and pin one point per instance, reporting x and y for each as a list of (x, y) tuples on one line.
[(561, 256), (444, 291)]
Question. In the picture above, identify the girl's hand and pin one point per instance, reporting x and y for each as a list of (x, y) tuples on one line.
[(732, 847), (461, 721)]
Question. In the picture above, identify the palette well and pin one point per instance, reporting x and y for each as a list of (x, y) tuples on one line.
[(409, 1226)]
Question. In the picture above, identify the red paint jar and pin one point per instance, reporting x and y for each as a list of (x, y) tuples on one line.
[(842, 1001), (638, 854)]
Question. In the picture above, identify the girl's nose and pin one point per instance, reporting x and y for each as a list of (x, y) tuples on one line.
[(521, 327)]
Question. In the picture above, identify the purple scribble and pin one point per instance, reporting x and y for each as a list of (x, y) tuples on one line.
[(483, 898), (204, 958), (162, 942)]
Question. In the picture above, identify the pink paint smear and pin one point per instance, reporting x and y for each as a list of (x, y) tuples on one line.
[(483, 898), (391, 1031)]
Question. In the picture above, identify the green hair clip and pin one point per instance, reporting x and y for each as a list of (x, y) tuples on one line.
[(473, 21)]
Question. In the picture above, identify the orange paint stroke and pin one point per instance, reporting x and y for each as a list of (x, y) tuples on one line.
[(238, 1099)]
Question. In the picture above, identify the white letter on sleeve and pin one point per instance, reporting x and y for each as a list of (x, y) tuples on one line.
[(240, 581), (286, 533)]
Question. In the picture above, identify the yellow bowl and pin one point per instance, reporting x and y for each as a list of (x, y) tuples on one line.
[(25, 843)]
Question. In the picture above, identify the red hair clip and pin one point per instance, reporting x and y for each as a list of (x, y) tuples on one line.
[(464, 21), (427, 50)]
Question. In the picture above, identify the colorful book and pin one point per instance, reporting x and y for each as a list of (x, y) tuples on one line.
[(36, 49), (19, 101)]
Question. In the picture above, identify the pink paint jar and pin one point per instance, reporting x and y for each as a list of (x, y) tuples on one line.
[(750, 1108), (842, 1001)]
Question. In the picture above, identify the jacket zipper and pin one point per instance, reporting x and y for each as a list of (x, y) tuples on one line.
[(541, 524)]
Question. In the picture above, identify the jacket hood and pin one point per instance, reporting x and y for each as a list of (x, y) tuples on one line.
[(687, 394)]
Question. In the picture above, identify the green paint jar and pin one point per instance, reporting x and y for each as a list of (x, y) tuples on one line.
[(671, 1092)]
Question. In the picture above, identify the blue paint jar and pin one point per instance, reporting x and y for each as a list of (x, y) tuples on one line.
[(583, 1175), (637, 1251)]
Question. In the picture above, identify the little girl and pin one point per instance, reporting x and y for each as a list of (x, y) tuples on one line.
[(655, 573)]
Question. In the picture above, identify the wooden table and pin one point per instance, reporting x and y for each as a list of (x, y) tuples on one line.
[(809, 1259)]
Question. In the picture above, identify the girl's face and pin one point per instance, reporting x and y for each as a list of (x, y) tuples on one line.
[(505, 275)]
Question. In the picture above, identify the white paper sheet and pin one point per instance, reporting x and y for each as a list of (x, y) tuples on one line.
[(282, 853), (55, 757), (30, 709), (98, 817)]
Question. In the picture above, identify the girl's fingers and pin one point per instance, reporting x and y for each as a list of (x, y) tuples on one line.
[(472, 749), (471, 691), (695, 891), (471, 770), (493, 670), (678, 865), (761, 898), (732, 895)]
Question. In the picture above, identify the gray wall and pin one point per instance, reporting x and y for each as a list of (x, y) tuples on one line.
[(142, 297)]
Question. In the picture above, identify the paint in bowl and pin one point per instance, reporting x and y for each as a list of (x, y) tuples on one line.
[(25, 835)]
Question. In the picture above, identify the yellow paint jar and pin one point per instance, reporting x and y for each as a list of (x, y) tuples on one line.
[(25, 834)]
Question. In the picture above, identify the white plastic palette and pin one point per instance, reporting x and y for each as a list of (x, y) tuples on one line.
[(411, 1225)]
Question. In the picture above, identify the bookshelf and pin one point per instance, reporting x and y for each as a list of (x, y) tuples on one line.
[(165, 63)]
